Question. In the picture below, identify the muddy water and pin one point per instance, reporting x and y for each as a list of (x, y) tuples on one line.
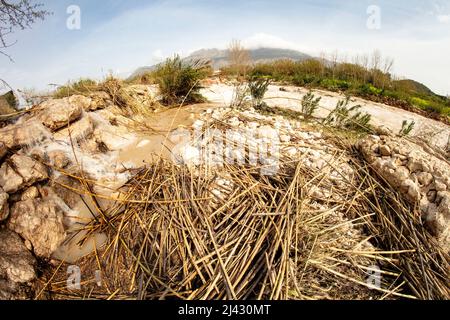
[(157, 142), (138, 150)]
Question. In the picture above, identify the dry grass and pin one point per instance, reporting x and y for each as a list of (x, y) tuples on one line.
[(260, 237)]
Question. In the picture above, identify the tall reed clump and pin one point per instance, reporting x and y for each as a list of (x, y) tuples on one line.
[(310, 104), (344, 116), (407, 128), (179, 81), (258, 88), (82, 86)]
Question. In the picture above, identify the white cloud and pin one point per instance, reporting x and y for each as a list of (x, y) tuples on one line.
[(444, 18), (157, 55), (260, 40)]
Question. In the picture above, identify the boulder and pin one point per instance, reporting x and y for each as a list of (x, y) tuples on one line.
[(58, 113), (25, 134), (77, 131), (140, 96), (17, 266), (21, 172), (421, 177), (10, 180), (8, 103), (39, 221)]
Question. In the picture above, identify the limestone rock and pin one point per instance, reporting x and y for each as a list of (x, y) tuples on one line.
[(30, 170), (385, 150), (27, 133), (77, 131), (10, 181), (16, 265), (58, 159), (139, 95), (30, 193), (421, 177), (59, 113), (425, 178), (4, 207), (32, 217), (21, 172)]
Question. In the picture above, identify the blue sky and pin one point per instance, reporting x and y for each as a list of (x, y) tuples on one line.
[(120, 35)]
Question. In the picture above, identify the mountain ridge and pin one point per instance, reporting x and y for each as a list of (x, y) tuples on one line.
[(219, 57)]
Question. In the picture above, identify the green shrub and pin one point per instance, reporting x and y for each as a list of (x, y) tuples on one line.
[(370, 90), (310, 104), (344, 116), (407, 128), (258, 88), (421, 103), (304, 79), (357, 79), (335, 84), (180, 81), (82, 86)]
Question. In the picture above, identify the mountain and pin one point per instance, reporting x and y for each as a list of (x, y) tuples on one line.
[(412, 86), (219, 58)]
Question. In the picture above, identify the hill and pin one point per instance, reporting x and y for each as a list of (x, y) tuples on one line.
[(219, 58)]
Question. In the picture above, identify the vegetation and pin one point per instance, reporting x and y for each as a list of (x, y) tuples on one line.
[(366, 77), (407, 127), (344, 116), (179, 81), (17, 15), (310, 104), (258, 88), (82, 86), (239, 59)]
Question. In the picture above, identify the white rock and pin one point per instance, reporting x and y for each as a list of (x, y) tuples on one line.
[(17, 266), (59, 113), (40, 222)]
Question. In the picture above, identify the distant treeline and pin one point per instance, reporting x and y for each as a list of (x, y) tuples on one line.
[(367, 77)]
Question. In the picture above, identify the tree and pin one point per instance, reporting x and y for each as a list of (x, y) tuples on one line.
[(238, 57), (17, 14)]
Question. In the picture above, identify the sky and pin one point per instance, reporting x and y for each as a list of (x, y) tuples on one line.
[(118, 36)]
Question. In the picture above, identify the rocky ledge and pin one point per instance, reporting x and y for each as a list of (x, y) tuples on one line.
[(422, 178)]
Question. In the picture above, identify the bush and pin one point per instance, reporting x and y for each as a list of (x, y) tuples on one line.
[(407, 128), (258, 88), (344, 116), (370, 90), (421, 103), (180, 81), (334, 84), (82, 86), (304, 79), (310, 104), (112, 86)]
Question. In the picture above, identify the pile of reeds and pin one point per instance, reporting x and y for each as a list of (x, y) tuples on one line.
[(398, 226), (256, 237), (196, 233)]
